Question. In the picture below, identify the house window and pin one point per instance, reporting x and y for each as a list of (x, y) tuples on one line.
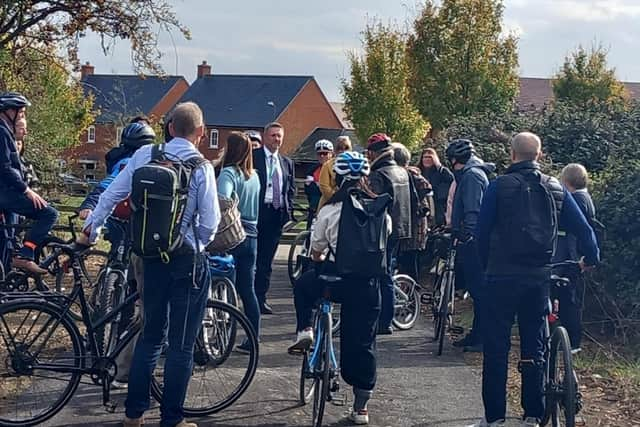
[(91, 135), (213, 139), (118, 134), (89, 166), (89, 177)]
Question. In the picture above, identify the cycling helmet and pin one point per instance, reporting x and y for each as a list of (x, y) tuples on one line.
[(351, 165), (254, 135), (460, 150), (324, 145), (13, 101), (136, 135), (378, 142)]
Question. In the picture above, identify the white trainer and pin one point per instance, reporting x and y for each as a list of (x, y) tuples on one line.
[(360, 417), (303, 342), (530, 422)]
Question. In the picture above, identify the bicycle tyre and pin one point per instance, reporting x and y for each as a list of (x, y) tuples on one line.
[(223, 289), (561, 401), (110, 294), (405, 317), (295, 262), (63, 324), (321, 389), (307, 381), (252, 364), (219, 347), (444, 312)]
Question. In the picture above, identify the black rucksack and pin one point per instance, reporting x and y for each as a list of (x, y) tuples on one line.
[(362, 235), (158, 199), (531, 233)]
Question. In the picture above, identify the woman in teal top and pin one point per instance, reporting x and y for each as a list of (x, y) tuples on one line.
[(238, 179)]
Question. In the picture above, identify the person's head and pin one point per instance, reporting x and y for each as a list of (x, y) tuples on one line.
[(13, 108), (238, 153), (429, 159), (255, 138), (21, 133), (324, 150), (167, 130), (273, 136), (140, 119), (187, 122), (459, 152), (377, 144), (525, 146), (401, 154), (343, 143), (350, 166), (137, 134), (574, 177)]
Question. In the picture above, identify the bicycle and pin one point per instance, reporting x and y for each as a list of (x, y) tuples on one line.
[(562, 396), (222, 267), (320, 369), (42, 347), (299, 256)]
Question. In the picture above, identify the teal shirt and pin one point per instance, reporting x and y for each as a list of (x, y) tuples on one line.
[(248, 191)]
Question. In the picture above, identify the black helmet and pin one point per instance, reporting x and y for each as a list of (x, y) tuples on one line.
[(459, 149), (13, 101), (136, 135)]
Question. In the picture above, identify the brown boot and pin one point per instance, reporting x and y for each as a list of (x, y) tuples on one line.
[(27, 265), (133, 422)]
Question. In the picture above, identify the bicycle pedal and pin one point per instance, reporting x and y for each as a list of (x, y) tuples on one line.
[(110, 407), (426, 299), (338, 399)]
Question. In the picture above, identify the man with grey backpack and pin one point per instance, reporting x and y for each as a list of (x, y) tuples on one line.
[(175, 214)]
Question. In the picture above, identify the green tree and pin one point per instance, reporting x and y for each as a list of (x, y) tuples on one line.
[(460, 61), (376, 94), (52, 25), (585, 78), (59, 110)]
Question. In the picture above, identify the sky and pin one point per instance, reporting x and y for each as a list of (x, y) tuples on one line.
[(294, 37)]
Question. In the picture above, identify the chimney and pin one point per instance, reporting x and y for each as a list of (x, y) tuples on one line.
[(86, 70), (204, 69)]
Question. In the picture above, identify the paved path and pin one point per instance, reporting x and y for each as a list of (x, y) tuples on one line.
[(415, 387)]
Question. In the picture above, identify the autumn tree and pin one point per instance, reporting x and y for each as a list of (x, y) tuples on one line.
[(51, 25), (376, 94), (585, 78), (461, 63)]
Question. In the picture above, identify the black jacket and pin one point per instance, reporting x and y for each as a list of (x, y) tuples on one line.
[(387, 177), (288, 184), (10, 166), (440, 179)]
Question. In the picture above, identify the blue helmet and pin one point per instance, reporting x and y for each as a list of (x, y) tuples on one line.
[(13, 101), (351, 165)]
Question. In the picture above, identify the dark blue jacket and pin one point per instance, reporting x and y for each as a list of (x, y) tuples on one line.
[(471, 181), (10, 166), (569, 248), (570, 218), (91, 201)]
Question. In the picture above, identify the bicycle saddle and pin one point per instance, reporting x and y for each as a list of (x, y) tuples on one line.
[(560, 281), (221, 264), (329, 278), (73, 248)]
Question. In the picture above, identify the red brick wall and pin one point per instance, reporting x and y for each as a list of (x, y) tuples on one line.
[(223, 133), (309, 110), (105, 140)]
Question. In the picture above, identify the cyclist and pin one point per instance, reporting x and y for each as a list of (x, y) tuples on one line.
[(471, 175), (324, 152), (515, 236), (15, 194), (359, 298), (327, 181)]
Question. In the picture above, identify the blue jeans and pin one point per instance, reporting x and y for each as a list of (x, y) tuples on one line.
[(386, 286), (171, 304), (43, 219), (508, 297), (245, 256)]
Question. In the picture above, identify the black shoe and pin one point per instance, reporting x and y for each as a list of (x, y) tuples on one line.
[(385, 331), (265, 308), (468, 340)]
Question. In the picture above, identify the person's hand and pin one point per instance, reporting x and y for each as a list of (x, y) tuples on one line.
[(83, 237), (84, 214), (584, 267), (38, 202)]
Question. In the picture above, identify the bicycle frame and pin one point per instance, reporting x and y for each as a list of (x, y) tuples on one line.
[(324, 310)]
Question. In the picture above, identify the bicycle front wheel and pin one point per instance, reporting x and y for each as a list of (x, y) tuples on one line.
[(562, 388), (40, 354), (321, 386), (407, 305), (298, 258), (215, 386), (444, 314), (223, 289)]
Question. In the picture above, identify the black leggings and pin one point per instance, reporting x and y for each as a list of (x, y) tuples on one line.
[(359, 311)]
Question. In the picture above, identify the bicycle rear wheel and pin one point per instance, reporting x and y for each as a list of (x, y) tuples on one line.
[(322, 384), (307, 380), (215, 386), (298, 258), (110, 293), (444, 313), (223, 289), (39, 349), (562, 389), (407, 305)]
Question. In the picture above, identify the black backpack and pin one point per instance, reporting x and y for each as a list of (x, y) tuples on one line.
[(362, 235), (531, 233), (158, 199)]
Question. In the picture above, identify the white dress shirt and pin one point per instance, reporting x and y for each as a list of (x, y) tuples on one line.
[(277, 169)]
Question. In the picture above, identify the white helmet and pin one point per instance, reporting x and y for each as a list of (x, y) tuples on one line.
[(324, 145)]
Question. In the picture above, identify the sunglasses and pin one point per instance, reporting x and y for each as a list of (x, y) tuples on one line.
[(323, 153)]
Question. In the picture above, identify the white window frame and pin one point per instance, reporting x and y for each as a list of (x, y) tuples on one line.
[(91, 130), (214, 143)]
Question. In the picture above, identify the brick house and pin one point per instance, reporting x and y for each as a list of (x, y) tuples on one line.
[(117, 99), (243, 102)]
